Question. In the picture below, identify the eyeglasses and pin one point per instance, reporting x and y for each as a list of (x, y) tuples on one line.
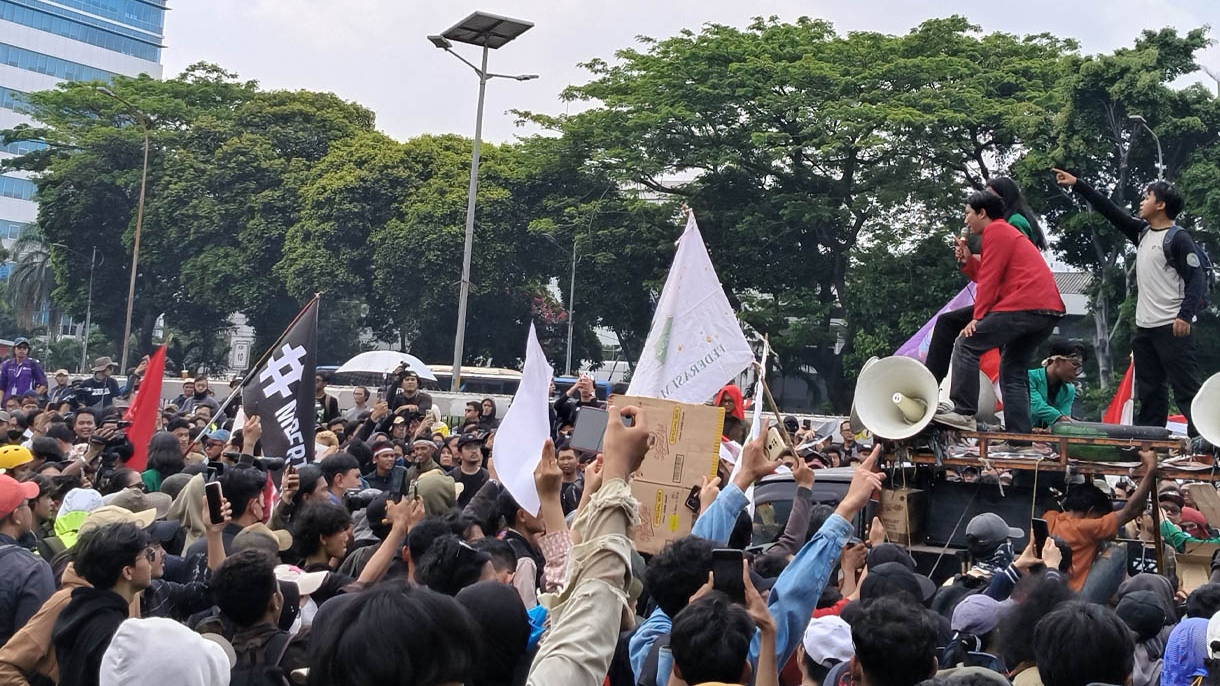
[(150, 554)]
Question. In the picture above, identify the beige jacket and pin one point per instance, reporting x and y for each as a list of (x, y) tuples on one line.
[(30, 650)]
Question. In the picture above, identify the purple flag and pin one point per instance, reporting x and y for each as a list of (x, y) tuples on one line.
[(917, 345)]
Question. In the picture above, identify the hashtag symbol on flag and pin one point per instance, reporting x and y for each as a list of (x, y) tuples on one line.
[(283, 371)]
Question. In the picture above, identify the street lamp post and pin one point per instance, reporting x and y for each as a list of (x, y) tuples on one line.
[(84, 348), (489, 32), (1160, 159), (142, 119)]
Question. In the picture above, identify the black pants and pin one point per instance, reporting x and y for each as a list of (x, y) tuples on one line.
[(1161, 357), (1017, 335), (944, 335)]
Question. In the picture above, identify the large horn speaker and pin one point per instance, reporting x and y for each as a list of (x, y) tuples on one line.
[(987, 397), (856, 425), (896, 397), (1205, 410)]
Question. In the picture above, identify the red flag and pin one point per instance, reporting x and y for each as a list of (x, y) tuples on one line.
[(1121, 409), (143, 411)]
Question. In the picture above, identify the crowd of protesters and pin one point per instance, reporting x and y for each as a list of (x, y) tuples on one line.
[(397, 557)]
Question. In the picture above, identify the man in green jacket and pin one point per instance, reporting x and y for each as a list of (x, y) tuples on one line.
[(1051, 392)]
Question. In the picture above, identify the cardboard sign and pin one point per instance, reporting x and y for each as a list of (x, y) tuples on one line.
[(1206, 500), (684, 448), (1195, 564)]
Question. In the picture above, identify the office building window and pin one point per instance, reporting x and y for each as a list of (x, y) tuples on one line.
[(51, 66), (11, 99), (142, 14), (79, 27), (11, 230), (14, 187)]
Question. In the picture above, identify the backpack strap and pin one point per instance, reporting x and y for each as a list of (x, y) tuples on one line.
[(276, 648)]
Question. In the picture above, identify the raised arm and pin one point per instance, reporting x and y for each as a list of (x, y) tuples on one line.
[(1135, 504), (1122, 220)]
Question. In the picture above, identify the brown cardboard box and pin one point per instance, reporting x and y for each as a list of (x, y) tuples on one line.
[(1195, 564), (902, 514), (1206, 500), (685, 447)]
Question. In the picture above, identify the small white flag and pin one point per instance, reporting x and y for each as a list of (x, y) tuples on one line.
[(695, 345), (525, 428)]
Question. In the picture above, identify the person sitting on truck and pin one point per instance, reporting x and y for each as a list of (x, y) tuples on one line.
[(1088, 519), (1051, 392)]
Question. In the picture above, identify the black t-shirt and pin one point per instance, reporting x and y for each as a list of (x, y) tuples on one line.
[(471, 483)]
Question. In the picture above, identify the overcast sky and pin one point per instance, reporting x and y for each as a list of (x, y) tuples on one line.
[(375, 52)]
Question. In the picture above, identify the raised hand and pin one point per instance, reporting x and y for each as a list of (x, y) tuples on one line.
[(1063, 178)]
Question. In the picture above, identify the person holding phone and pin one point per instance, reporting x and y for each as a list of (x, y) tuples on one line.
[(581, 394)]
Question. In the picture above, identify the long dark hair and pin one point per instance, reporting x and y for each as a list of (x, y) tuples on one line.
[(1014, 203)]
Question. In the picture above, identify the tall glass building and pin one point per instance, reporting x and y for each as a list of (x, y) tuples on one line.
[(45, 42)]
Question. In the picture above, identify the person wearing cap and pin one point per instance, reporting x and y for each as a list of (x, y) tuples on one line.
[(1051, 391), (21, 373), (100, 390), (215, 443), (469, 472), (63, 391), (403, 392), (826, 643), (974, 636), (25, 579)]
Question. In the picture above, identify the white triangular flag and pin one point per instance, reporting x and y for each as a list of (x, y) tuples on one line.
[(695, 345), (525, 428)]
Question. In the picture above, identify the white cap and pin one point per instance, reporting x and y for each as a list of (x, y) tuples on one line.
[(828, 638), (307, 582), (144, 651)]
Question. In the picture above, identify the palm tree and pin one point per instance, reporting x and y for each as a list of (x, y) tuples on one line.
[(32, 279)]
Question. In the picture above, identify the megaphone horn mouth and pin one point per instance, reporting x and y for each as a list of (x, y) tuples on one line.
[(895, 397), (1205, 410)]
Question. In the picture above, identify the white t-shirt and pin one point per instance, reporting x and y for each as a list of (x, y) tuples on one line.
[(1161, 289)]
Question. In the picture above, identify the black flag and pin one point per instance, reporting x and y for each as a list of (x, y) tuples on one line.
[(281, 391)]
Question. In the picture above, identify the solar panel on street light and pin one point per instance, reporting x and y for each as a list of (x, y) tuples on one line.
[(486, 30)]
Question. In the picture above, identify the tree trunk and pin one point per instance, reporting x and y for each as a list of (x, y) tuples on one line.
[(1101, 338)]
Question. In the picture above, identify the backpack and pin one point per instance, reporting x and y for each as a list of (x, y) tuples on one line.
[(262, 667), (1205, 261)]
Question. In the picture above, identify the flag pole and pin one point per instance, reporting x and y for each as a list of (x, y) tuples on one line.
[(267, 354), (762, 379)]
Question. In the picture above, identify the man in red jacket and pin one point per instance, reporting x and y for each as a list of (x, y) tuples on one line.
[(1016, 307)]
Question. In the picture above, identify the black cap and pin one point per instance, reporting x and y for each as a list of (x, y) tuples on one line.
[(889, 552), (470, 438), (892, 576)]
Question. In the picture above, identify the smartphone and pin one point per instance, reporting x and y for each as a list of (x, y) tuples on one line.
[(215, 511), (590, 429), (775, 444), (692, 499), (123, 424), (1041, 533), (397, 480), (726, 574)]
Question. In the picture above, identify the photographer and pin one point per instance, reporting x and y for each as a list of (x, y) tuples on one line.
[(404, 392)]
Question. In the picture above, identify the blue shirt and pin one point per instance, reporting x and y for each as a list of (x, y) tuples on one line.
[(793, 597)]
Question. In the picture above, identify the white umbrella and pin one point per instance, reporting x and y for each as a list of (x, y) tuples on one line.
[(384, 362)]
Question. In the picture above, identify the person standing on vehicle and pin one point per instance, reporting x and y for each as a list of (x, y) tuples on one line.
[(404, 391), (1172, 289)]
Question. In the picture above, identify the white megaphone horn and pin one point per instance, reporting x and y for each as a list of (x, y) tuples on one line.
[(895, 397), (1205, 410), (987, 397), (856, 426)]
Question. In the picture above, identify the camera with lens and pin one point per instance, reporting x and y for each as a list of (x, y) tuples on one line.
[(358, 499)]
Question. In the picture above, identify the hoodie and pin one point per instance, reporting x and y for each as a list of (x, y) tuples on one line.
[(83, 632), (145, 652), (1185, 653), (739, 403)]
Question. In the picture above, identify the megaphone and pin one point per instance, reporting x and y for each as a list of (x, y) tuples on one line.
[(896, 397), (856, 426), (987, 397), (1205, 410)]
